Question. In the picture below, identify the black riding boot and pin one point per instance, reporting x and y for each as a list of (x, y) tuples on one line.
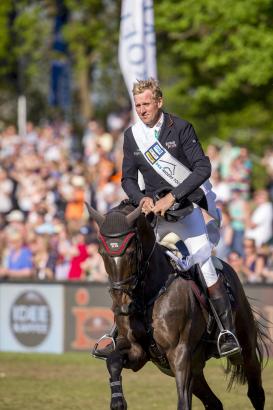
[(228, 344), (104, 352)]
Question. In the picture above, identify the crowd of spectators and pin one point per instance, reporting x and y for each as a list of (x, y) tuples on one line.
[(47, 175), (247, 215), (45, 178)]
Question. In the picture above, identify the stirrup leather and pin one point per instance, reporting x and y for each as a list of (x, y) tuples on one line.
[(237, 349), (95, 353)]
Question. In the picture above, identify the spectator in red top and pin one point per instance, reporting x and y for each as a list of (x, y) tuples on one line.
[(79, 253)]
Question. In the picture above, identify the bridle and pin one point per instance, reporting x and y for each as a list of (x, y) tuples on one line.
[(128, 284), (126, 238), (115, 245)]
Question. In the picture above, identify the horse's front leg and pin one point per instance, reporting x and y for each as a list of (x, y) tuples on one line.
[(180, 361), (115, 365)]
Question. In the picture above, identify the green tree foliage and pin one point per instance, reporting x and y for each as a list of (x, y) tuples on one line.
[(5, 38), (24, 31), (215, 63), (92, 35)]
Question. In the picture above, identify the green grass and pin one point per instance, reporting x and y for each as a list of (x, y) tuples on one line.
[(75, 381)]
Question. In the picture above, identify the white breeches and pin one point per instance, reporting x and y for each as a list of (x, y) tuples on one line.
[(193, 231)]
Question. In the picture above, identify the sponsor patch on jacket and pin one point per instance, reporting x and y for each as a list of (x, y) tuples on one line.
[(154, 153), (171, 144)]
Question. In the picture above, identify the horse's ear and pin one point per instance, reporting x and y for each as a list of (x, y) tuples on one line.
[(99, 218), (132, 216)]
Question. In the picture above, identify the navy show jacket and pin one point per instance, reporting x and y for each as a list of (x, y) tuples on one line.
[(179, 138)]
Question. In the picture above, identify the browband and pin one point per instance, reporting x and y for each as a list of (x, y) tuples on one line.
[(115, 245)]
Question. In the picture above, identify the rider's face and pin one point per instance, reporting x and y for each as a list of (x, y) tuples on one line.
[(148, 109)]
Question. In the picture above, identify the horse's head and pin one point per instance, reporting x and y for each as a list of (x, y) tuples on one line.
[(126, 239)]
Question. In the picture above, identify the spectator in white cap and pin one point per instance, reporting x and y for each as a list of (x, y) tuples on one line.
[(6, 188), (16, 220), (15, 216)]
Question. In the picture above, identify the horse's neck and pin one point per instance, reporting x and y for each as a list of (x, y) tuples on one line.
[(155, 264), (158, 271)]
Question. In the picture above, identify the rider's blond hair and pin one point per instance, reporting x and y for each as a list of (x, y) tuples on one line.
[(150, 84)]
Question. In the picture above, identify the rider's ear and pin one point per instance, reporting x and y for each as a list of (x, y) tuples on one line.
[(160, 102)]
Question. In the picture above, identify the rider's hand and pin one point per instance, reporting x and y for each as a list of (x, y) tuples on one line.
[(147, 205), (163, 204)]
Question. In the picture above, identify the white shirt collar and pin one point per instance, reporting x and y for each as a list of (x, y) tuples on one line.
[(158, 125)]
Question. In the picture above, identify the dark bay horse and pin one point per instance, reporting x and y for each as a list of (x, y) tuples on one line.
[(159, 317)]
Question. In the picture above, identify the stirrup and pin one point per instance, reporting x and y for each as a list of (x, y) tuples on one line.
[(94, 351), (236, 350)]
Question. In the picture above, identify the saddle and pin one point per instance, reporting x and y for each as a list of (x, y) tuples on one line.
[(177, 250)]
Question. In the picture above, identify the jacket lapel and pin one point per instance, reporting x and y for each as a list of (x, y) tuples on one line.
[(166, 129)]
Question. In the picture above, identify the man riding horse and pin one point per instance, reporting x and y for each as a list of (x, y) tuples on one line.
[(166, 151)]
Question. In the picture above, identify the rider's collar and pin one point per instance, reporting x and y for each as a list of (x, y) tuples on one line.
[(157, 127)]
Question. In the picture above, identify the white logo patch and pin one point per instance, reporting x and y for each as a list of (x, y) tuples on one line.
[(171, 144)]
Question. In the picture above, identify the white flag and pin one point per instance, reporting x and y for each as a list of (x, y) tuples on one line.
[(137, 44)]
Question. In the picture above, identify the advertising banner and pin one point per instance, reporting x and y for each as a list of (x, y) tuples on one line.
[(31, 318), (87, 315), (58, 317)]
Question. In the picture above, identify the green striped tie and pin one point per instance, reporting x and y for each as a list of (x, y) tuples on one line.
[(156, 134)]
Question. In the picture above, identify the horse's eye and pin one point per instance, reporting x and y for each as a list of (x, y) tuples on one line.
[(130, 253)]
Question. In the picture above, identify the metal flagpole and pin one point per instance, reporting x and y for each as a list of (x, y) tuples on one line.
[(22, 115)]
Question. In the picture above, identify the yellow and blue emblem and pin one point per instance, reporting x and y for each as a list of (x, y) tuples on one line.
[(154, 153)]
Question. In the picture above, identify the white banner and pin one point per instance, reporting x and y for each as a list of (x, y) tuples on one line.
[(137, 45), (31, 318)]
